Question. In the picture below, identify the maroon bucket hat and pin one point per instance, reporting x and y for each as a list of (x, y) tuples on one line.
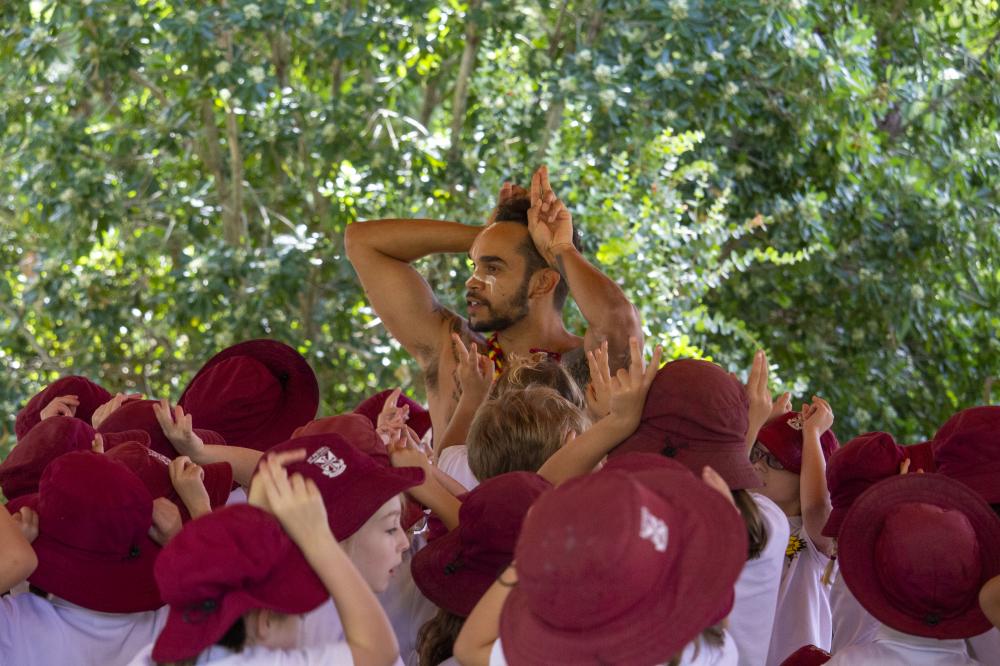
[(921, 457), (420, 418), (139, 415), (21, 471), (359, 431), (983, 418), (616, 571), (152, 468), (783, 438), (353, 485), (807, 655), (697, 413), (455, 570), (974, 459), (915, 550), (854, 468), (90, 395), (219, 567), (93, 542), (254, 393)]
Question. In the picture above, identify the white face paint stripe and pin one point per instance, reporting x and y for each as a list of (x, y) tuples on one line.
[(490, 281)]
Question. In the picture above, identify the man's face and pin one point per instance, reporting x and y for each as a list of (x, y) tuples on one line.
[(497, 292)]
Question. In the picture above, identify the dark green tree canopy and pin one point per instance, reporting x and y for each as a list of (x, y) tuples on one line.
[(820, 179)]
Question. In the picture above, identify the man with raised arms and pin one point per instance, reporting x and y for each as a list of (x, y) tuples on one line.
[(526, 260)]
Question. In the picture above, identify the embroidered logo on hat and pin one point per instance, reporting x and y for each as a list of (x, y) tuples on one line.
[(797, 422), (654, 530), (328, 462)]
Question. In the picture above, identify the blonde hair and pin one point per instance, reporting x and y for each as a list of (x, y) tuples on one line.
[(519, 429), (538, 369)]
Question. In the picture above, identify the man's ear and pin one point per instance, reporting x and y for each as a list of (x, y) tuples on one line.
[(543, 282)]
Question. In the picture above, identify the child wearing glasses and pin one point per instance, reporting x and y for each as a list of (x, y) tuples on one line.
[(790, 456)]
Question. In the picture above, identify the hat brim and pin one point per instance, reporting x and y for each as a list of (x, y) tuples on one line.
[(187, 633), (299, 396), (99, 584), (457, 592), (859, 536), (735, 469), (984, 479), (675, 609)]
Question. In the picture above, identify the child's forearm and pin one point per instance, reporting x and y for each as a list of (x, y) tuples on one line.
[(17, 558), (434, 496), (813, 492), (482, 628), (241, 459), (448, 483), (580, 456), (366, 627), (459, 424)]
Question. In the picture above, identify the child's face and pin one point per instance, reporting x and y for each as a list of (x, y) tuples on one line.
[(778, 484), (377, 548)]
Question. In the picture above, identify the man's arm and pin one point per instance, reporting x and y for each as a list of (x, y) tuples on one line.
[(609, 314), (381, 252)]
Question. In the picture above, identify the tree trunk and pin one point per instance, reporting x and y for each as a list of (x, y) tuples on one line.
[(461, 98)]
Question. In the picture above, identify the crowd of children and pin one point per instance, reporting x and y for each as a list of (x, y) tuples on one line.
[(657, 515)]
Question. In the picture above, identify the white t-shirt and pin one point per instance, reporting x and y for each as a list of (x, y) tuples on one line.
[(752, 618), (237, 496), (330, 654), (985, 647), (726, 654), (894, 648), (35, 631), (454, 461), (803, 616), (852, 624)]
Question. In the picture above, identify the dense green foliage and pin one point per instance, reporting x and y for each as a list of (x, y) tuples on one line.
[(818, 178)]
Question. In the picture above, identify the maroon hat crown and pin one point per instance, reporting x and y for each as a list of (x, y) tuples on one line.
[(967, 449), (455, 570), (614, 570), (139, 415), (783, 438), (697, 413), (915, 549), (153, 469), (21, 471), (219, 567), (90, 395), (420, 418), (854, 468), (353, 485), (93, 546), (254, 393), (360, 433)]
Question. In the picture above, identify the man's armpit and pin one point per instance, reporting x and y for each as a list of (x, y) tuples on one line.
[(575, 363)]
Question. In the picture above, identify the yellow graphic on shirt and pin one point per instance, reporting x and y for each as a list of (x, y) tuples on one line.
[(795, 545)]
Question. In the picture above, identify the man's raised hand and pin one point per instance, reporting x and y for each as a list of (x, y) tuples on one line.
[(549, 221)]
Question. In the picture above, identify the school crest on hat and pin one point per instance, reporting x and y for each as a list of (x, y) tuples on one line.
[(328, 462)]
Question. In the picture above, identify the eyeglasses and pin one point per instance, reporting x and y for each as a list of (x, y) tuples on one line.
[(758, 452)]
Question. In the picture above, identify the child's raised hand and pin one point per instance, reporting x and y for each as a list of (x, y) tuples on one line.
[(392, 416), (27, 520), (475, 371), (599, 389), (63, 405), (405, 451), (108, 408), (818, 416), (629, 387), (188, 480), (257, 495), (166, 521), (762, 407), (295, 501), (178, 428)]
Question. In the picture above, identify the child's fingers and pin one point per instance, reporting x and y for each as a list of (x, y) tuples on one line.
[(653, 367), (460, 350), (286, 457), (904, 467), (98, 443)]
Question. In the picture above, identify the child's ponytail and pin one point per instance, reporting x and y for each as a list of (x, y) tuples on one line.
[(756, 527)]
